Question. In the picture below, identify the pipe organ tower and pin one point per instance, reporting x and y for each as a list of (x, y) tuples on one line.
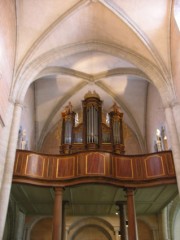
[(95, 131)]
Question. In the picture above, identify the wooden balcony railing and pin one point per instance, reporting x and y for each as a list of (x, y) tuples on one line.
[(94, 167)]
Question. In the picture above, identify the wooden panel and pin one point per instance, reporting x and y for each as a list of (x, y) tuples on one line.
[(154, 166), (49, 167), (94, 166), (95, 163), (124, 168), (81, 164), (170, 164), (19, 163), (34, 165), (65, 167), (138, 168)]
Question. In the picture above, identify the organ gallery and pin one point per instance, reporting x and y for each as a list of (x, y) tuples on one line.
[(95, 130)]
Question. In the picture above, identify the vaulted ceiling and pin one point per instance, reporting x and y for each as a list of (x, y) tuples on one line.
[(70, 47)]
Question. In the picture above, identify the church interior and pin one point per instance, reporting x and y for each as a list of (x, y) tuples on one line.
[(89, 120)]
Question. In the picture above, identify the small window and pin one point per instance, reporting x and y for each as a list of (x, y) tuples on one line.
[(177, 12)]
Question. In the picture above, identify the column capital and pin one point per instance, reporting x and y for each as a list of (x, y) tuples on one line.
[(129, 191), (15, 102), (58, 189)]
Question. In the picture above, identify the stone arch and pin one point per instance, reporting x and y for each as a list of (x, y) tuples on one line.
[(31, 71), (154, 75), (144, 230), (147, 68), (32, 223), (176, 230), (174, 208), (99, 223), (93, 227)]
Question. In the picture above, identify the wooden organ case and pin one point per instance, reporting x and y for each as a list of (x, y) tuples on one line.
[(95, 130)]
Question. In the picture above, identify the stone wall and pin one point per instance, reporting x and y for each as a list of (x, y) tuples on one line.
[(7, 53)]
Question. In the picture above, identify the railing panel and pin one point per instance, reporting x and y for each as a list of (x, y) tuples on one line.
[(94, 166)]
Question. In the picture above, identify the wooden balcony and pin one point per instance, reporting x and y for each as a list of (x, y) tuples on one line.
[(94, 167)]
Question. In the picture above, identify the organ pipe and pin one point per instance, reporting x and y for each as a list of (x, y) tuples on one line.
[(92, 132)]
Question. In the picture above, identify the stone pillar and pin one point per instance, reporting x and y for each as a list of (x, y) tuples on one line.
[(156, 234), (67, 233), (176, 114), (57, 216), (116, 230), (174, 142), (9, 166), (4, 139), (20, 226), (165, 224), (132, 235), (122, 219), (64, 220)]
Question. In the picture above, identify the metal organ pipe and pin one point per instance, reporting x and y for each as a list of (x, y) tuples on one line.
[(68, 129), (92, 125)]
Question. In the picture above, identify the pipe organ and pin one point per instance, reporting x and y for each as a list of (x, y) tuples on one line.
[(95, 130)]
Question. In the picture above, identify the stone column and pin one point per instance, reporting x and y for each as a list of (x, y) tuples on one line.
[(165, 224), (122, 219), (174, 142), (20, 226), (64, 220), (131, 214), (116, 230), (176, 114), (67, 232), (9, 166), (57, 216), (4, 139), (156, 234)]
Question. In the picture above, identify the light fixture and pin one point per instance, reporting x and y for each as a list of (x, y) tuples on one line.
[(126, 223)]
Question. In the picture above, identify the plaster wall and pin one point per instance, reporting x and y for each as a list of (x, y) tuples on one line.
[(155, 117), (131, 143), (28, 118), (52, 141)]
